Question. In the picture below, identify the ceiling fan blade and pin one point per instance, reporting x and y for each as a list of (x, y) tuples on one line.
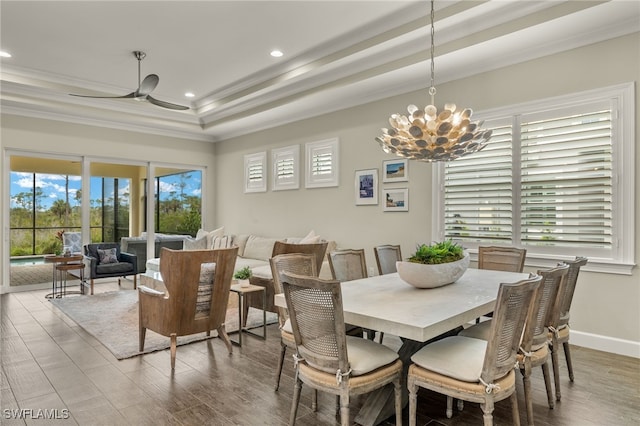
[(130, 95), (164, 104), (148, 84)]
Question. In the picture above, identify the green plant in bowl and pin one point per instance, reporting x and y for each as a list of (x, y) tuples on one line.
[(243, 274), (441, 252)]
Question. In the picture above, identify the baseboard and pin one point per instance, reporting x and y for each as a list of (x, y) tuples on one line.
[(605, 343)]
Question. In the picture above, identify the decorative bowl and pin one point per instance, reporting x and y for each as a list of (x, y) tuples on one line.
[(420, 275)]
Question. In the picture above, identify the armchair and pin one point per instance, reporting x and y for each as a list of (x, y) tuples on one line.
[(114, 264), (197, 286)]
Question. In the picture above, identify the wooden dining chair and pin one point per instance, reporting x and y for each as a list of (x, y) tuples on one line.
[(349, 265), (300, 264), (497, 258), (560, 331), (386, 257), (254, 300), (327, 359), (534, 349), (473, 369)]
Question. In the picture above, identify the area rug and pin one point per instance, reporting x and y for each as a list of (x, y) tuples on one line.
[(112, 318)]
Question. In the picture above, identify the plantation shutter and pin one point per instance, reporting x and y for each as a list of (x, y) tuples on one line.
[(566, 163), (285, 167), (478, 191), (255, 172), (322, 163)]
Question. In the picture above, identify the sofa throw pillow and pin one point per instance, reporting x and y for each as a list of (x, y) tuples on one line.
[(195, 244), (73, 240), (310, 238), (210, 234), (221, 242), (108, 255), (259, 248)]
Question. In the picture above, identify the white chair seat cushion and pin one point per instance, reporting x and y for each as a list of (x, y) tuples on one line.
[(263, 271), (458, 357), (286, 327), (366, 355), (478, 331)]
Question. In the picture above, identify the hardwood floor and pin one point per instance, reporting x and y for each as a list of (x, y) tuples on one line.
[(50, 363)]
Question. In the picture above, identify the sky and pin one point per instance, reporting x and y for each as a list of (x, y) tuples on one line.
[(53, 186)]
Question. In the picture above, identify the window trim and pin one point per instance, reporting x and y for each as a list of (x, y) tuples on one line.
[(622, 99)]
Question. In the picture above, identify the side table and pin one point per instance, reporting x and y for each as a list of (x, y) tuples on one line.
[(61, 266), (242, 292)]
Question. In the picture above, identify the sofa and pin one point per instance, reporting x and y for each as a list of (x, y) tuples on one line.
[(254, 251), (138, 246)]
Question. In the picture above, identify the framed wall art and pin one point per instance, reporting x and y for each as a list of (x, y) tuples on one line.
[(395, 170), (366, 187), (396, 200)]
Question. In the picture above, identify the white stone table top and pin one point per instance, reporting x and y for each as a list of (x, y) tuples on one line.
[(386, 303)]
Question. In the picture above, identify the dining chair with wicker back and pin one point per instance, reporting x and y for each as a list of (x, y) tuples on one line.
[(534, 348), (499, 258), (473, 369), (386, 257), (349, 265), (300, 264), (326, 358), (560, 333)]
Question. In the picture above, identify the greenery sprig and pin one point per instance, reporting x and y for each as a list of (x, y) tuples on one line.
[(443, 252), (243, 274)]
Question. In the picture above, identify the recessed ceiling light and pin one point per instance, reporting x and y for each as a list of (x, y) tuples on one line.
[(4, 54), (189, 95), (276, 53)]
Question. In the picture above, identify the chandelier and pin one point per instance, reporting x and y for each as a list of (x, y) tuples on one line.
[(429, 135)]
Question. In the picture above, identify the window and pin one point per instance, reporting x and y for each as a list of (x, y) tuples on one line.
[(553, 179), (255, 172), (322, 163), (110, 208), (285, 167), (178, 203)]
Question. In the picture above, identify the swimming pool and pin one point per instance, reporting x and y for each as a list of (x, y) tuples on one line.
[(27, 260)]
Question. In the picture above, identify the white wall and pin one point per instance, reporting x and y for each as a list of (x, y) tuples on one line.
[(606, 310)]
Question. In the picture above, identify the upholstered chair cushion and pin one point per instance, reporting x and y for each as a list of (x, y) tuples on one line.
[(458, 357), (478, 331), (205, 289), (366, 355), (286, 327)]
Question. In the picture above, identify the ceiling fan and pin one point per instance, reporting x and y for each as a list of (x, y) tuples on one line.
[(145, 87)]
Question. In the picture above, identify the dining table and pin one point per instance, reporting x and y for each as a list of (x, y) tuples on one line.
[(388, 304)]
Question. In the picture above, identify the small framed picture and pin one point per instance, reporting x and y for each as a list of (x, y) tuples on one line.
[(366, 186), (396, 199), (395, 170)]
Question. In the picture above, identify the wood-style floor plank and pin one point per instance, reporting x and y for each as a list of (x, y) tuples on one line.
[(49, 361)]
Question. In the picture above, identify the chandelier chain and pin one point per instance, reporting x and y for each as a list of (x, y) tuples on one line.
[(432, 89)]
